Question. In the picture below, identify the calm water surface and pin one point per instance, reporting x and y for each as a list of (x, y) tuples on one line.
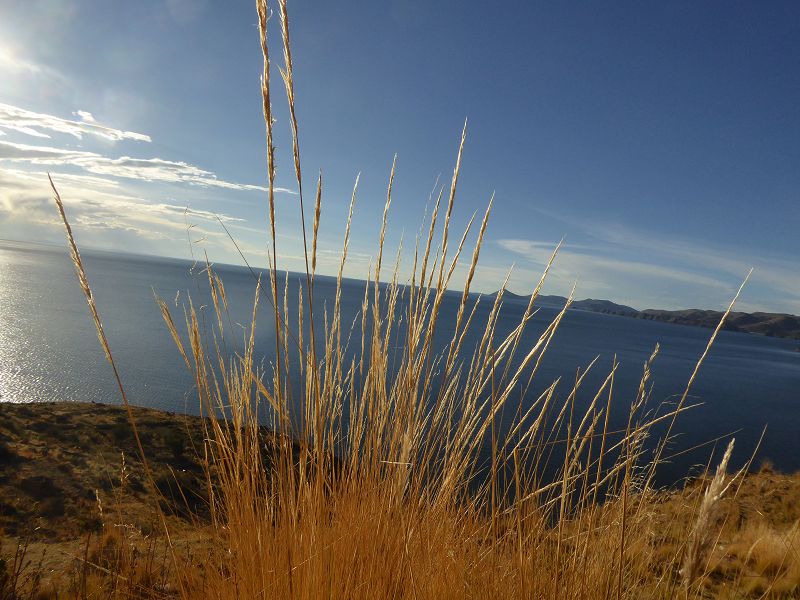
[(49, 350)]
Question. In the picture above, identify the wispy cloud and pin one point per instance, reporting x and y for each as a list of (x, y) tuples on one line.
[(85, 116), (584, 264), (144, 169), (533, 250), (702, 274), (774, 270), (24, 196), (40, 176), (112, 199), (733, 261), (14, 118)]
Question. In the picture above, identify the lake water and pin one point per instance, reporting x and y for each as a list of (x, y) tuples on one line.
[(49, 349)]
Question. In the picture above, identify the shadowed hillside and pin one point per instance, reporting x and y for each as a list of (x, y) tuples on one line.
[(770, 324)]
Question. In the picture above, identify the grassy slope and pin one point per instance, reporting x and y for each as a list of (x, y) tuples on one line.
[(59, 458)]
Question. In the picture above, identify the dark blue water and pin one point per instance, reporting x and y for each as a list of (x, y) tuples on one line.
[(49, 349)]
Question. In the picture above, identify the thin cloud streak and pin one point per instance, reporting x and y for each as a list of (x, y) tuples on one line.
[(144, 169), (777, 272), (24, 198), (702, 274), (583, 263), (774, 271), (14, 118)]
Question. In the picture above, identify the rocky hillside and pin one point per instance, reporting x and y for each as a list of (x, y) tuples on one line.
[(770, 324)]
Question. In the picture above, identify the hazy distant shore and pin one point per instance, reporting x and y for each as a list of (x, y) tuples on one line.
[(779, 325)]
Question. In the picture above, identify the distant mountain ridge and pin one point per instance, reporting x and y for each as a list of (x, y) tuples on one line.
[(770, 324), (779, 325), (590, 304)]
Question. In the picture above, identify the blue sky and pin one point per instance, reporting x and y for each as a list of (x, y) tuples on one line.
[(661, 140)]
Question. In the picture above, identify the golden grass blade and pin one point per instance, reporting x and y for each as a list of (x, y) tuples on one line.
[(83, 280)]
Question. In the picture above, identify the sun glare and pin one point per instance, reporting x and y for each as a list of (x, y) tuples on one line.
[(12, 62)]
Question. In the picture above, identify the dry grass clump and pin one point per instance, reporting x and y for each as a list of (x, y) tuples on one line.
[(118, 562), (702, 536), (375, 483), (764, 558)]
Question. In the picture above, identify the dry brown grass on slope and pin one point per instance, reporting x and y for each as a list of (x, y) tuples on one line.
[(769, 558), (439, 553), (60, 460)]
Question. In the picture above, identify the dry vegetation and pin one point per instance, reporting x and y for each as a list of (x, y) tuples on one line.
[(383, 494), (87, 525)]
